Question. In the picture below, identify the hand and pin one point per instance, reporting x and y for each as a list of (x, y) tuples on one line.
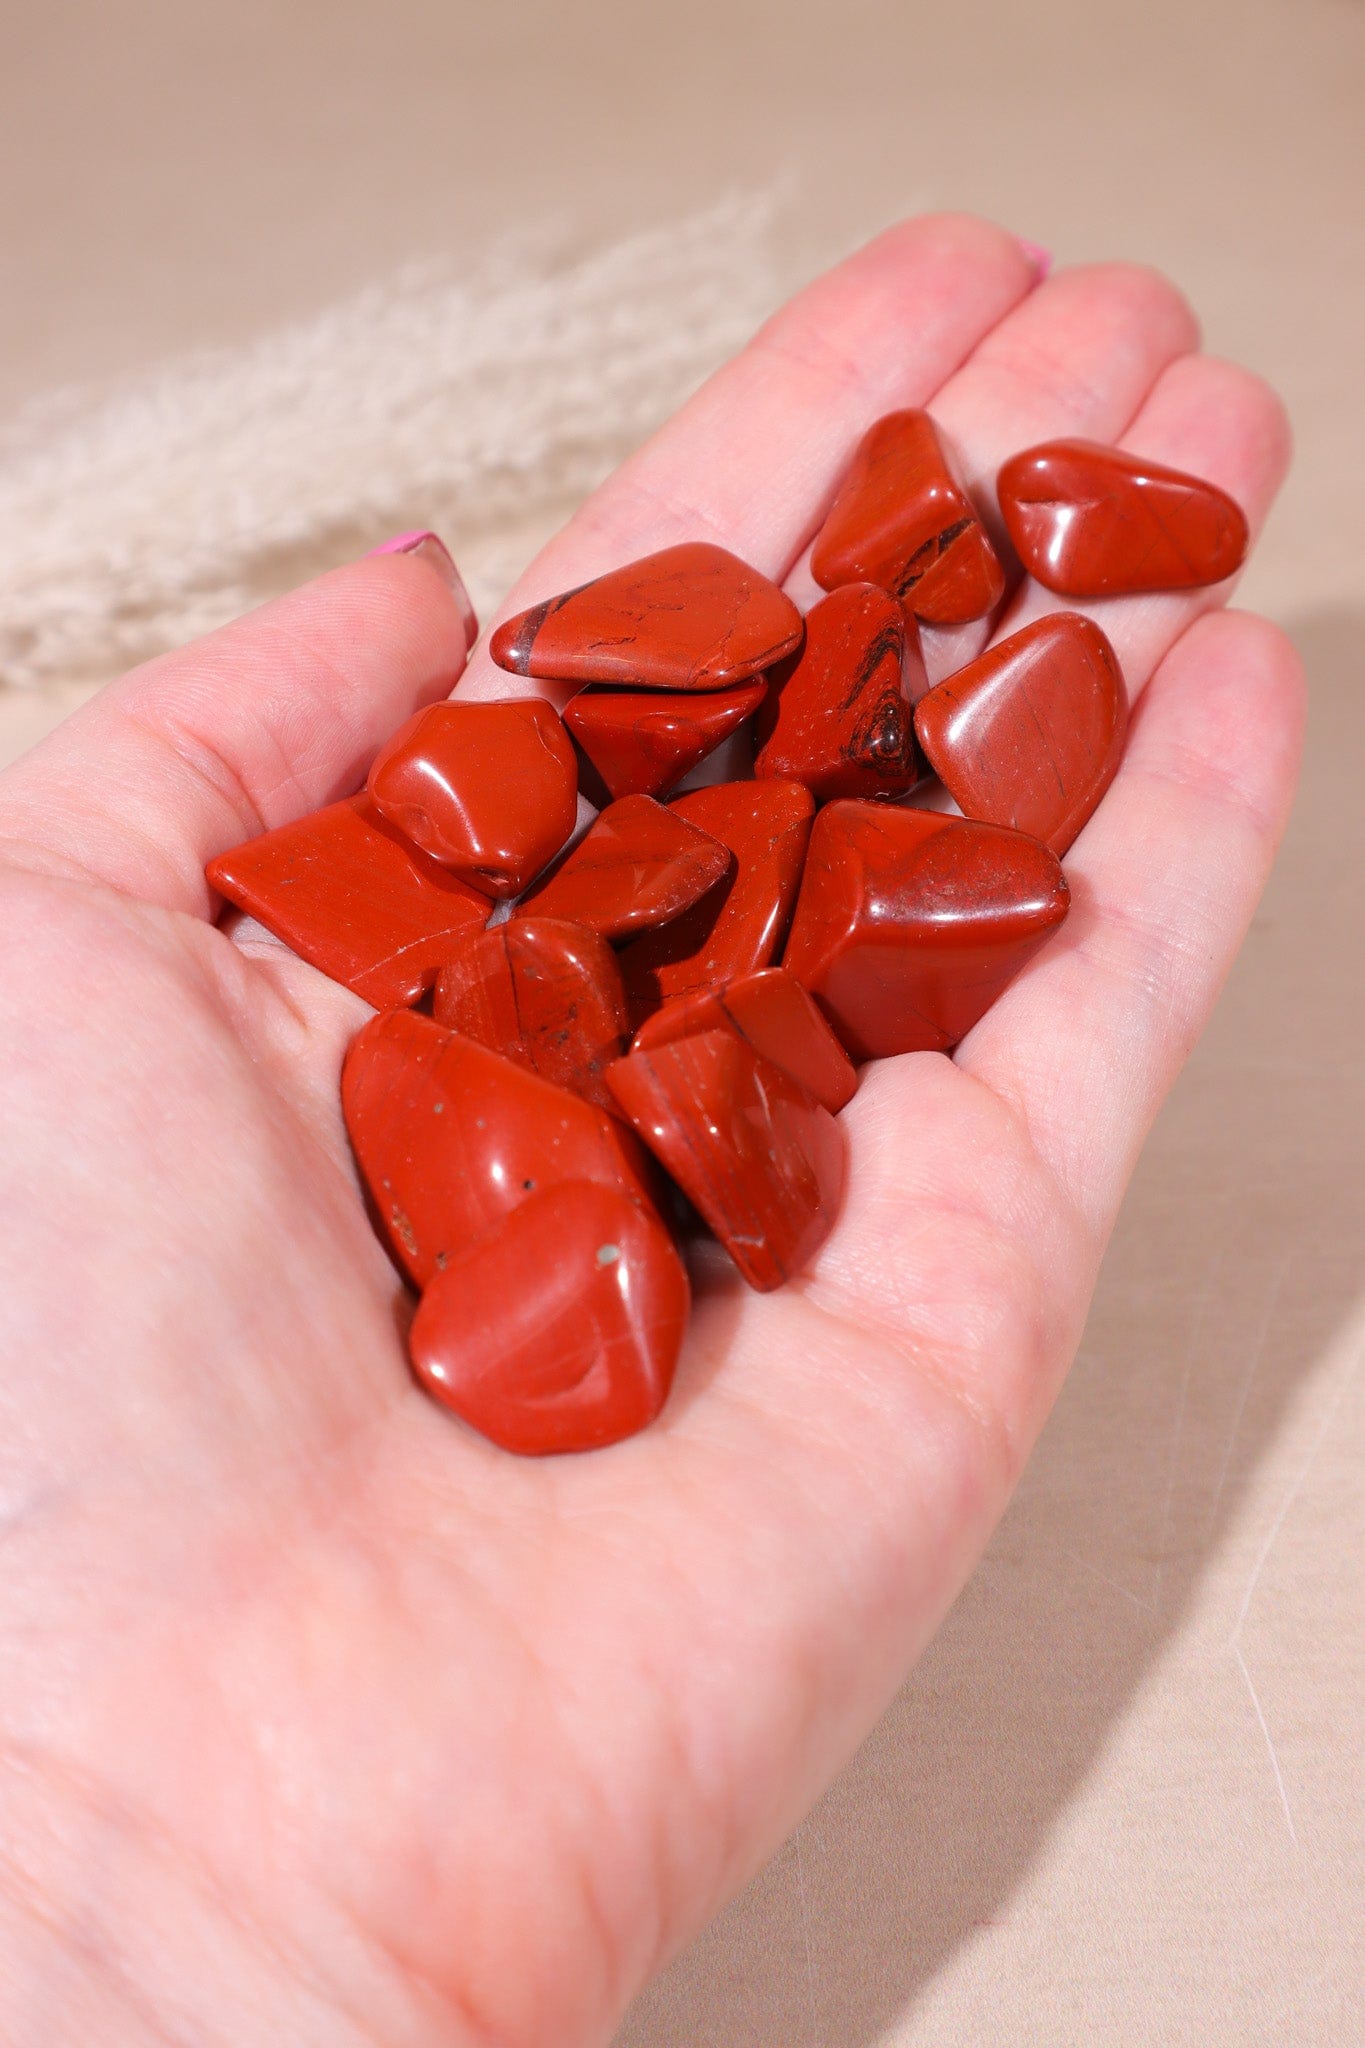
[(323, 1721)]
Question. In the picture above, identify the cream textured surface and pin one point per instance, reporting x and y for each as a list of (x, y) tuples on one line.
[(1121, 1800)]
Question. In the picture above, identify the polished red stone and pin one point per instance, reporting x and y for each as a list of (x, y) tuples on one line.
[(774, 1015), (490, 790), (692, 617), (740, 923), (558, 1329), (909, 924), (836, 716), (450, 1137), (762, 1162), (638, 864), (902, 520), (1031, 732), (546, 993), (353, 898), (642, 742), (1090, 521)]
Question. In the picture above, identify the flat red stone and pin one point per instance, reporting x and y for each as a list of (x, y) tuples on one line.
[(836, 717), (692, 617), (740, 923), (1031, 732), (450, 1137), (638, 864), (1089, 521), (558, 1329), (490, 790), (774, 1015), (642, 743), (902, 520), (762, 1162), (353, 898), (909, 924), (546, 994)]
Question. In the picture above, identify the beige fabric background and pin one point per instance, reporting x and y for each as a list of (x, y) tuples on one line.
[(1121, 1801)]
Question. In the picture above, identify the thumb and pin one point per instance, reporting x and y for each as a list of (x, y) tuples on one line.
[(259, 723)]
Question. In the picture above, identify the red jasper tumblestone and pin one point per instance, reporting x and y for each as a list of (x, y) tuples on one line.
[(1030, 734), (692, 617), (642, 742), (1089, 521), (510, 1145), (488, 789), (449, 1137), (772, 1013), (638, 864), (761, 1161), (902, 520), (558, 1329), (349, 895), (545, 993), (836, 717), (909, 924), (740, 923)]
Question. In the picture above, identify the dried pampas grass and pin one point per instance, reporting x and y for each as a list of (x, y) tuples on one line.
[(485, 404)]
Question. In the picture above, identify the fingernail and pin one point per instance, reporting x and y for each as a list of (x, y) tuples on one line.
[(1038, 256), (433, 549)]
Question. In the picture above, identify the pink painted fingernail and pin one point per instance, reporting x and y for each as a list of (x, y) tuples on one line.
[(421, 541), (1038, 256)]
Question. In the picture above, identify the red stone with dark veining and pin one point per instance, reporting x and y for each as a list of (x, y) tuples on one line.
[(740, 923), (774, 1015), (902, 520), (642, 742), (638, 864), (909, 924), (353, 898), (559, 1328), (450, 1137), (1090, 521), (761, 1161), (1030, 734), (836, 716), (488, 789), (692, 617), (546, 993)]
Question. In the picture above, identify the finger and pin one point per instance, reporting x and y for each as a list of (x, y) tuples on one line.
[(259, 723), (1214, 420), (1164, 881), (752, 460), (1078, 356)]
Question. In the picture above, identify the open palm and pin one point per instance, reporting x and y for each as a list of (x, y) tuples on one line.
[(322, 1721)]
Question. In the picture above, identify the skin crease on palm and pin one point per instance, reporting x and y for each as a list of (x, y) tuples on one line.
[(321, 1720)]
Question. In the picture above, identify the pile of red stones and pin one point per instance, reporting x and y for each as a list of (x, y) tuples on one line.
[(624, 1036)]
